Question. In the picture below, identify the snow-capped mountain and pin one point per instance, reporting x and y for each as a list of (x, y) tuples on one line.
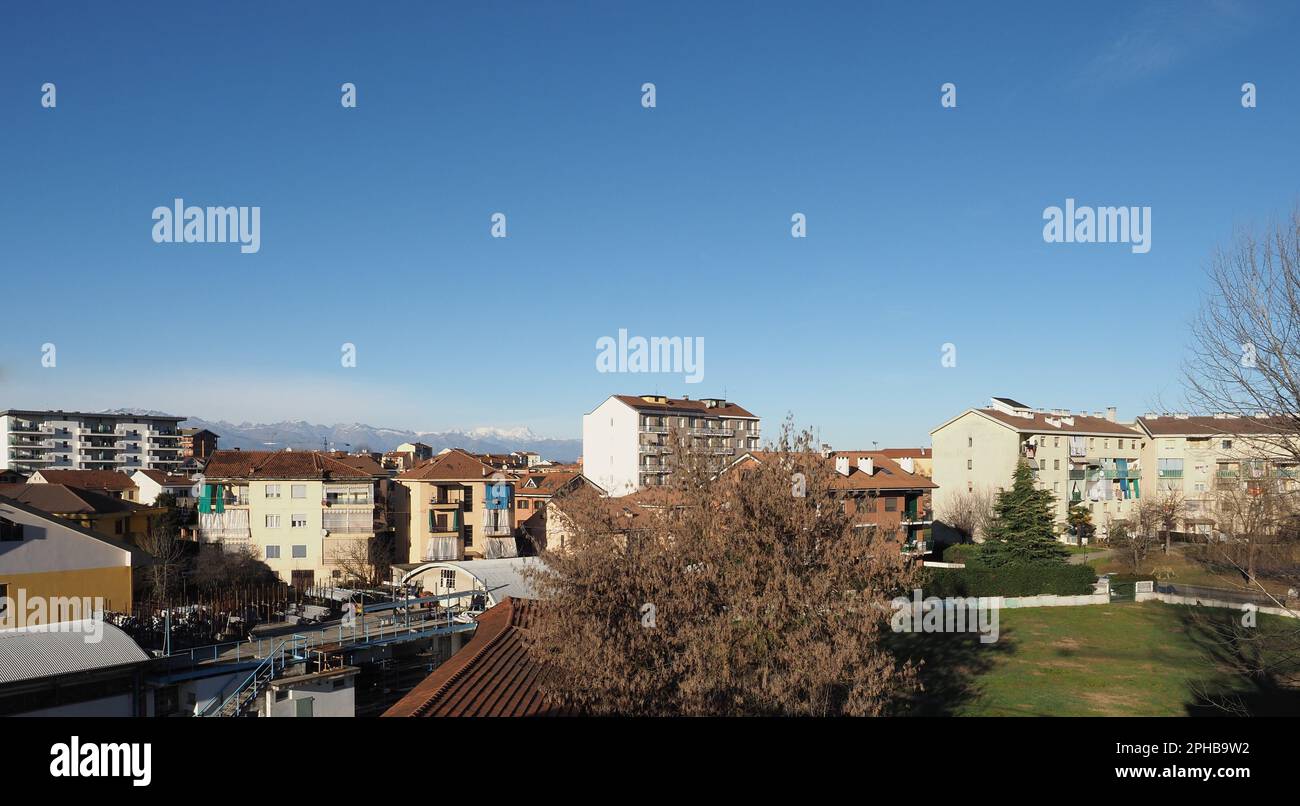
[(302, 435)]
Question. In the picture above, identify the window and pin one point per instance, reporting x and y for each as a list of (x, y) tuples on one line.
[(523, 503), (870, 504), (298, 490), (272, 521), (449, 579), (1056, 442), (1056, 464), (970, 464), (272, 552), (119, 527), (1092, 441), (272, 491), (469, 535), (891, 504), (298, 521), (970, 442), (299, 552), (10, 530), (1226, 444)]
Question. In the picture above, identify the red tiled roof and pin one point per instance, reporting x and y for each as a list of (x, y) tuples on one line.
[(492, 675), (904, 453), (674, 406), (544, 484), (1037, 423), (454, 465), (60, 499), (888, 475), (90, 479), (166, 479), (279, 465), (1170, 426)]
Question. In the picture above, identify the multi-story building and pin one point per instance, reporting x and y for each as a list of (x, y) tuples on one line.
[(106, 482), (1093, 460), (878, 492), (629, 443), (37, 440), (311, 517), (1198, 458), (198, 443), (455, 507)]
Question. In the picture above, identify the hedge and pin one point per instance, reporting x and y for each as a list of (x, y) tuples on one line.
[(1011, 580), (960, 552)]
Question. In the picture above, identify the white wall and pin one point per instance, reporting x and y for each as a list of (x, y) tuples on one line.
[(609, 447)]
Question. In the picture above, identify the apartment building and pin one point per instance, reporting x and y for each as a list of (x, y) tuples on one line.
[(879, 492), (455, 507), (629, 442), (105, 482), (311, 517), (198, 443), (38, 440), (1199, 457), (1092, 459)]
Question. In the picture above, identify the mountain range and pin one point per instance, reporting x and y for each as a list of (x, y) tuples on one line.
[(301, 435)]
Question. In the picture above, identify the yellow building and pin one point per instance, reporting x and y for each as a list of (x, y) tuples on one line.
[(1093, 460), (312, 517), (111, 517), (1200, 457), (45, 559), (455, 507)]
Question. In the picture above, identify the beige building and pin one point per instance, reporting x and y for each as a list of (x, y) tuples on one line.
[(312, 517), (1199, 457), (1092, 459), (454, 507)]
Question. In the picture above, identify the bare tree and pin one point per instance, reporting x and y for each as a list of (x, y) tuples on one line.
[(749, 592), (364, 561), (1246, 340), (164, 545), (969, 512), (1132, 540)]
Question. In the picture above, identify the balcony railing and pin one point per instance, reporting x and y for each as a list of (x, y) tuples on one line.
[(441, 548), (654, 429)]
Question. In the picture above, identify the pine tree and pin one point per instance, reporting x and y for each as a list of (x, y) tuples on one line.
[(1022, 530)]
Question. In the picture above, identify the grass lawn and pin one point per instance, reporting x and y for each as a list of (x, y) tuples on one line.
[(1176, 568), (1104, 660)]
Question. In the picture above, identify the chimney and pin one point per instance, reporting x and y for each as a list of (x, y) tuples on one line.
[(842, 465), (866, 465), (1220, 415), (907, 464), (1110, 413)]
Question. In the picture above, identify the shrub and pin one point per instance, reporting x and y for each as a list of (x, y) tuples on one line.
[(1030, 579), (960, 552)]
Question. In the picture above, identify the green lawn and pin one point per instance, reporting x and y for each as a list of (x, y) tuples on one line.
[(1103, 660)]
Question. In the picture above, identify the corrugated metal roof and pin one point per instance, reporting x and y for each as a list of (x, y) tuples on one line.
[(27, 653), (501, 577)]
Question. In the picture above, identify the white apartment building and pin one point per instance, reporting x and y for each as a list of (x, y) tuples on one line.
[(71, 440), (1089, 459), (626, 443)]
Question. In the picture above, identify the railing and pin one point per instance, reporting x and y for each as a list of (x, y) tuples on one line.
[(654, 429), (294, 648)]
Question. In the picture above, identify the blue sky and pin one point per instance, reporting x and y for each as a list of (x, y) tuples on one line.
[(924, 223)]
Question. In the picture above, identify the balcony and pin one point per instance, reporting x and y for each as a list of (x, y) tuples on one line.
[(653, 429), (441, 548), (653, 449), (654, 469), (30, 428), (1170, 474)]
